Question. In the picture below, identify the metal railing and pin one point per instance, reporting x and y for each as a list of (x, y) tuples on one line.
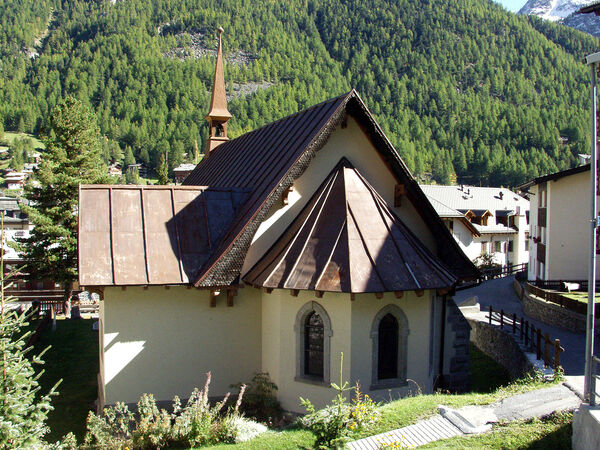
[(532, 338)]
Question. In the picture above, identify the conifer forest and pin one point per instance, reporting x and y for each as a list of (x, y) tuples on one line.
[(466, 91)]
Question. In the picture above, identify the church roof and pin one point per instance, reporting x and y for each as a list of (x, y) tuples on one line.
[(347, 239), (266, 162), (142, 235)]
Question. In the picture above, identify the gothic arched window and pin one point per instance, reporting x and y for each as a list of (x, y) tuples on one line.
[(313, 336), (389, 333)]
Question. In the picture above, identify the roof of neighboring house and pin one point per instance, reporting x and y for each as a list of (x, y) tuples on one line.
[(141, 235), (593, 8), (346, 239), (477, 199), (266, 161), (184, 168), (494, 229), (9, 204), (554, 176)]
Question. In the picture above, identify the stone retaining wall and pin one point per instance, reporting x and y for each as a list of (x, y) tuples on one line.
[(555, 315), (500, 346)]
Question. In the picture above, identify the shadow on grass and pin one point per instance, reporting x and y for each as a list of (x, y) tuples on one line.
[(73, 357), (556, 440), (486, 374)]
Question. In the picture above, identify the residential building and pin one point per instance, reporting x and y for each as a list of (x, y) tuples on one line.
[(560, 225), (484, 220), (181, 172), (284, 248)]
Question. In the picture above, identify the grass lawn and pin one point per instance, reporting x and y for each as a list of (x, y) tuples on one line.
[(580, 296), (74, 358), (490, 382), (9, 138), (553, 432)]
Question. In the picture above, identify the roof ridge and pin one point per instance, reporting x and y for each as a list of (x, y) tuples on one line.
[(346, 96)]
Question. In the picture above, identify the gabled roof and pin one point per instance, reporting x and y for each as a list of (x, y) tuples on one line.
[(475, 198), (143, 235), (346, 239), (554, 176), (266, 161)]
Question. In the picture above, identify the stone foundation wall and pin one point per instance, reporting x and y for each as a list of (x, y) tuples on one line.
[(500, 346), (555, 315)]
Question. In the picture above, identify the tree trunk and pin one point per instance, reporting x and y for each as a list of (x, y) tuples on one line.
[(68, 286)]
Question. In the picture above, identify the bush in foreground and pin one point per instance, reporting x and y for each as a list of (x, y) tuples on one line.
[(196, 424)]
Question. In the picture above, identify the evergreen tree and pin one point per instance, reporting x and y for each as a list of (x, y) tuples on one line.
[(23, 410), (72, 157), (163, 171)]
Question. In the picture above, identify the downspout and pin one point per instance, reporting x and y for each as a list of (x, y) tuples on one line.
[(440, 377)]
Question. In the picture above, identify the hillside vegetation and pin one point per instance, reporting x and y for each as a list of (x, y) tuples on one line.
[(462, 87)]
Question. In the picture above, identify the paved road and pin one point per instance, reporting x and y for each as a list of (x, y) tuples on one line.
[(500, 294)]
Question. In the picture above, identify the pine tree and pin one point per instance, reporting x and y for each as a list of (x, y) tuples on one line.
[(23, 410), (163, 171), (72, 157)]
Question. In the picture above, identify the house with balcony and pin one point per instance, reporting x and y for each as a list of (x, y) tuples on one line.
[(484, 220), (559, 225)]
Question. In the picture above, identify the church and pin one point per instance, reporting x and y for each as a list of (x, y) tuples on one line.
[(286, 247)]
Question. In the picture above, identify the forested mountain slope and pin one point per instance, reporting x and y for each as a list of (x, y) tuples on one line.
[(462, 87)]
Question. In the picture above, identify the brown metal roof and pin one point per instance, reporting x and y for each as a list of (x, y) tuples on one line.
[(268, 160), (142, 235), (346, 239)]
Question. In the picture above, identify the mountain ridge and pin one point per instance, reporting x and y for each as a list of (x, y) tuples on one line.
[(564, 12)]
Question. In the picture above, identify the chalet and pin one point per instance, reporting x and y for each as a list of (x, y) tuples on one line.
[(285, 247), (484, 220), (181, 172), (16, 225), (115, 170), (15, 180), (559, 225)]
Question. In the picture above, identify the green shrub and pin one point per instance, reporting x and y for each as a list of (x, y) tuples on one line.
[(260, 399), (198, 423), (335, 424)]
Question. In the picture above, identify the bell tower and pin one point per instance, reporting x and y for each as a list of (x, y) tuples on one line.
[(218, 115)]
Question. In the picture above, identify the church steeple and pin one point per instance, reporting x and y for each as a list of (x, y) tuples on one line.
[(218, 115)]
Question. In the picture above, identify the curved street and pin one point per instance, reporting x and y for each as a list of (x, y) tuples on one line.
[(499, 293)]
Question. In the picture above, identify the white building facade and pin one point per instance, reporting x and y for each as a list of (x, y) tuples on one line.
[(484, 220)]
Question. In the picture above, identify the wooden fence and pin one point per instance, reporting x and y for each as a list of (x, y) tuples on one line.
[(532, 338), (559, 299), (503, 271)]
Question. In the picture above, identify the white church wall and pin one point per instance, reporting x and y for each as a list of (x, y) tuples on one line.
[(163, 341)]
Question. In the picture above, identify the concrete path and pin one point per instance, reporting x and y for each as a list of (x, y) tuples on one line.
[(475, 419)]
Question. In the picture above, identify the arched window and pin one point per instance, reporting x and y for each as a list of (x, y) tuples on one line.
[(219, 130), (389, 333), (387, 361), (313, 345), (313, 335)]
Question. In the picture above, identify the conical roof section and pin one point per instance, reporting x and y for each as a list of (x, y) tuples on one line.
[(218, 102), (346, 239)]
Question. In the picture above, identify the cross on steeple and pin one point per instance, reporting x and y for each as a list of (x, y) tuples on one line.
[(218, 115)]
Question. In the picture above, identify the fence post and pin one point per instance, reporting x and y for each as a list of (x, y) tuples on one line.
[(521, 327), (539, 344), (514, 323), (501, 319), (556, 353), (491, 311), (547, 350)]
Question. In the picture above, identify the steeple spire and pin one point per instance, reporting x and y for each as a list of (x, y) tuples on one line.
[(218, 115)]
